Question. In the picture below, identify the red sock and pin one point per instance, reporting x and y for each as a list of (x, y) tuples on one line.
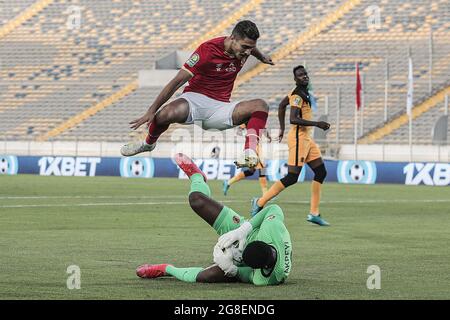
[(255, 126), (154, 132)]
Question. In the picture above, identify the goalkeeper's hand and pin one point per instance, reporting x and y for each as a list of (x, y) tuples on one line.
[(240, 234), (224, 259)]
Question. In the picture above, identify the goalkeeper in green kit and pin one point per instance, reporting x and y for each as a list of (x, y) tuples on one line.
[(257, 251)]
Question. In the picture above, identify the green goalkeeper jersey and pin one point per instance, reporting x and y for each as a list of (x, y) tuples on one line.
[(268, 226)]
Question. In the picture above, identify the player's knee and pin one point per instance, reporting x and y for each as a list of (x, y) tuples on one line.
[(196, 200), (262, 105), (201, 278), (249, 172), (204, 277), (290, 179), (320, 173), (162, 118), (170, 114)]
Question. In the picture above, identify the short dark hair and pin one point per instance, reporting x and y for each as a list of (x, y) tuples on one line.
[(258, 254), (298, 67), (246, 29)]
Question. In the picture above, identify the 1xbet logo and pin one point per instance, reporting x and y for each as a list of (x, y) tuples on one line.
[(431, 174), (68, 166)]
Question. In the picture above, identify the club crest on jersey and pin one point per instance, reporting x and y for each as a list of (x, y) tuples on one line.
[(219, 66), (231, 67), (193, 60), (236, 219), (297, 101)]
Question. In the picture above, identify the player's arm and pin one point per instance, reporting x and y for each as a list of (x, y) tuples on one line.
[(261, 56), (240, 234), (167, 92), (296, 118), (272, 210), (281, 116)]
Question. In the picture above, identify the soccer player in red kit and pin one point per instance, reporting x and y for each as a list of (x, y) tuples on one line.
[(211, 72)]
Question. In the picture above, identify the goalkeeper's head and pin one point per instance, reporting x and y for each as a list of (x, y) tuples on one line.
[(259, 255)]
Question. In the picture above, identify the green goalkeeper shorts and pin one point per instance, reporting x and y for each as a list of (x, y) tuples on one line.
[(227, 220)]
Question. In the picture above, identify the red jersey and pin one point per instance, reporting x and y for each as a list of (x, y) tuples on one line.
[(213, 70)]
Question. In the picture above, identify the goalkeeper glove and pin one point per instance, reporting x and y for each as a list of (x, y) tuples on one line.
[(240, 234), (224, 259)]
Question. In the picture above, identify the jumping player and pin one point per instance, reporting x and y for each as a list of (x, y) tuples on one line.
[(257, 251), (302, 148), (211, 72)]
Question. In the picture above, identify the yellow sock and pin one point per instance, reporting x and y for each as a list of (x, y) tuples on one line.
[(236, 178), (274, 190), (315, 197), (263, 184)]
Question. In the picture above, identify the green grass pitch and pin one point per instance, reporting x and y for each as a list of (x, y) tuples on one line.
[(109, 225)]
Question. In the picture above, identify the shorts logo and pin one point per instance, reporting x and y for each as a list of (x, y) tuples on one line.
[(236, 219), (361, 172), (193, 60), (8, 165), (135, 167)]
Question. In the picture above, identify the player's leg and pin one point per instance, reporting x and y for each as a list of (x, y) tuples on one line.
[(199, 193), (320, 172), (175, 112), (207, 208), (290, 179), (318, 167), (151, 271), (254, 113), (238, 177), (220, 217), (297, 153), (263, 180), (212, 274)]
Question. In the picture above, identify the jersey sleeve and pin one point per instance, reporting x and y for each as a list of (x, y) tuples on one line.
[(245, 274), (295, 101), (259, 280), (197, 60), (268, 213), (249, 275)]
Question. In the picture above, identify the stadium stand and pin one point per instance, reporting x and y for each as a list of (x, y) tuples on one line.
[(51, 74), (425, 115), (73, 69)]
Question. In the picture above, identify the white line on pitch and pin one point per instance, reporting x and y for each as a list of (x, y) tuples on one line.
[(90, 197), (223, 201), (150, 196)]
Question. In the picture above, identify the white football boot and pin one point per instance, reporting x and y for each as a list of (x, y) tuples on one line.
[(132, 148), (249, 158)]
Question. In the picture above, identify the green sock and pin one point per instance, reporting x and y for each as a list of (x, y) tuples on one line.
[(199, 185), (184, 274)]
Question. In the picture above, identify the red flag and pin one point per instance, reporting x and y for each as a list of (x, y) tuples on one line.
[(358, 88)]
